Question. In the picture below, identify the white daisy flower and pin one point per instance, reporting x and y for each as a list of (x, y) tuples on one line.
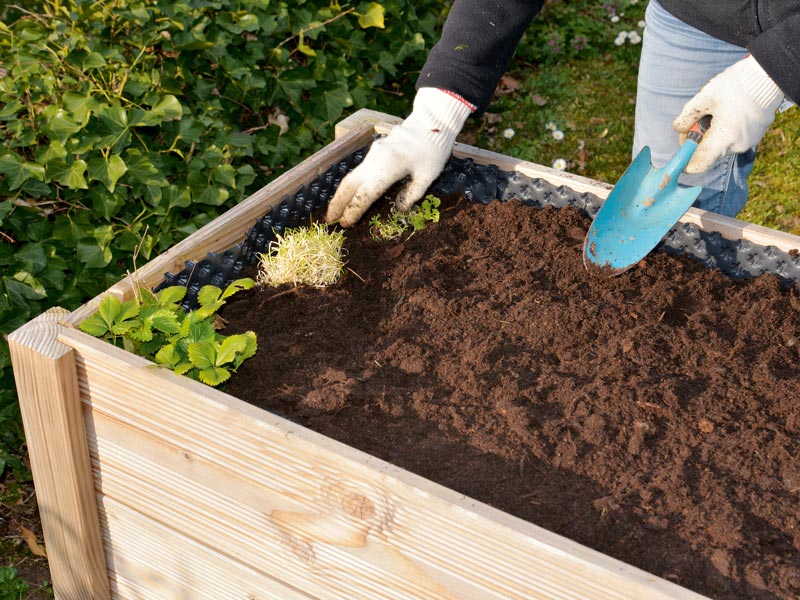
[(634, 37), (559, 164), (550, 126), (509, 133), (558, 135), (641, 24), (620, 39), (615, 19)]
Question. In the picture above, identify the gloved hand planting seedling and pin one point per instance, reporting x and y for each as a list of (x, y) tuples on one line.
[(418, 150)]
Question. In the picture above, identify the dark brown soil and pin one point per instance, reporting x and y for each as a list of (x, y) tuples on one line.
[(654, 417)]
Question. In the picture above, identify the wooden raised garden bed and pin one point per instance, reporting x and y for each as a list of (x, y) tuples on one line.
[(151, 485)]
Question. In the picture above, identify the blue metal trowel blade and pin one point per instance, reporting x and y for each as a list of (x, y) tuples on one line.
[(643, 206)]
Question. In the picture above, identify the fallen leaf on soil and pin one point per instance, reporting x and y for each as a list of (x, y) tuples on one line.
[(627, 346), (705, 426), (30, 538), (491, 118), (538, 100), (507, 85)]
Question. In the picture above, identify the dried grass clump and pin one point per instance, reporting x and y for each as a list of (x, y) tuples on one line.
[(303, 256)]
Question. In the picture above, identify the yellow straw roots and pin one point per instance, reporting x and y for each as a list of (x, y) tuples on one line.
[(303, 256)]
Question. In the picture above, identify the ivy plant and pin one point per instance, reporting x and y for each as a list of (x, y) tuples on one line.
[(157, 327), (125, 126)]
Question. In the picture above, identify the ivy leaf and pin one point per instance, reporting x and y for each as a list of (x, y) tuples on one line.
[(336, 98), (20, 293), (61, 125), (79, 105), (142, 169), (167, 108), (32, 256), (5, 210), (304, 48), (373, 17), (107, 170), (94, 60), (71, 176), (115, 118), (208, 194), (18, 171), (92, 253)]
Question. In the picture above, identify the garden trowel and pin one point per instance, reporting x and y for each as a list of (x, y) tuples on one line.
[(643, 206)]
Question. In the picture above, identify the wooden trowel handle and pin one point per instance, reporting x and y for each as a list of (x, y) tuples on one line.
[(698, 130)]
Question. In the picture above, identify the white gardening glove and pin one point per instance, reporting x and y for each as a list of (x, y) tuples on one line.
[(742, 101), (418, 148)]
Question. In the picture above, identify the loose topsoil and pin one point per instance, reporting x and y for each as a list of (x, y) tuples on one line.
[(654, 417)]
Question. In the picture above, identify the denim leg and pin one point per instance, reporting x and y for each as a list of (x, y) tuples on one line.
[(677, 60)]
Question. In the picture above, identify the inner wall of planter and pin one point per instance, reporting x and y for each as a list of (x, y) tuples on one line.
[(482, 184)]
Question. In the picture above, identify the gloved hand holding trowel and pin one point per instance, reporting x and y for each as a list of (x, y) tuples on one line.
[(704, 57)]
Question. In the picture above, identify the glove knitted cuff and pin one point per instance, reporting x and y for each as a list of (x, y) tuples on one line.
[(764, 92), (438, 116)]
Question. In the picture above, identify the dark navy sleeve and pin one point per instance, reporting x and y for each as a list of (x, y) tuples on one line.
[(777, 50), (478, 40)]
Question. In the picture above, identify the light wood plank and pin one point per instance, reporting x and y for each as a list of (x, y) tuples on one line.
[(242, 519), (732, 229), (365, 118), (348, 522), (230, 228), (49, 399), (148, 559)]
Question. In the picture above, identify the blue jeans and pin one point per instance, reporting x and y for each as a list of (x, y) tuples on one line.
[(677, 60)]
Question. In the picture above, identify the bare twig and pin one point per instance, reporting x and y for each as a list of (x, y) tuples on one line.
[(305, 30)]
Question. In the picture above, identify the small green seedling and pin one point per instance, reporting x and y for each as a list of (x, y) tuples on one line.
[(397, 223), (156, 326), (305, 255)]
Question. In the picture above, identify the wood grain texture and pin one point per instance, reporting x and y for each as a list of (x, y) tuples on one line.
[(320, 516), (47, 385), (732, 229), (150, 560), (230, 228)]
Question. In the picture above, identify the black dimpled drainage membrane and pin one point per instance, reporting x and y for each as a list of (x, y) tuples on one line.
[(483, 184)]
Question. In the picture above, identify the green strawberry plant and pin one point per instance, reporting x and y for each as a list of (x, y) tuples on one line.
[(154, 325)]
